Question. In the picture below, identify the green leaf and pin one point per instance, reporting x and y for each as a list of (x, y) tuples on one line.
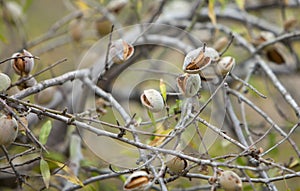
[(2, 38), (139, 5), (163, 89), (272, 142), (139, 120), (176, 107), (44, 167), (45, 131), (241, 161), (26, 5), (223, 3), (150, 114), (123, 178)]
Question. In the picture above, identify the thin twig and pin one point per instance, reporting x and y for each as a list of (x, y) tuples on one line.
[(16, 57), (248, 85), (266, 117), (108, 48), (38, 73), (282, 140), (277, 39), (52, 32), (28, 131), (18, 176), (228, 45), (157, 12)]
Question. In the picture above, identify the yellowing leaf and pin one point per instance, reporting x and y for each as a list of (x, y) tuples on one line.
[(62, 166), (73, 179), (44, 167), (82, 5), (163, 89), (294, 163), (240, 4), (157, 140), (139, 5), (211, 12), (45, 131), (69, 175)]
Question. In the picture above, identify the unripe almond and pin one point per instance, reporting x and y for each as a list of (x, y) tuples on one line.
[(103, 26), (176, 165), (196, 60), (24, 64), (221, 43), (189, 84), (4, 82), (279, 54), (263, 37), (8, 130), (289, 24), (45, 96), (138, 180), (153, 100), (116, 6), (120, 51), (225, 65), (230, 181), (76, 29)]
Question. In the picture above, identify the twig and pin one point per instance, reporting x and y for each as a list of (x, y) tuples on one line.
[(16, 57), (53, 29), (122, 128), (222, 134), (228, 44), (38, 73), (245, 123), (271, 5), (235, 121), (277, 39), (248, 85), (157, 12), (286, 95), (28, 131), (282, 140), (19, 178), (108, 48), (100, 132), (28, 151), (237, 15), (69, 76), (26, 163), (111, 17), (266, 117), (243, 42)]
